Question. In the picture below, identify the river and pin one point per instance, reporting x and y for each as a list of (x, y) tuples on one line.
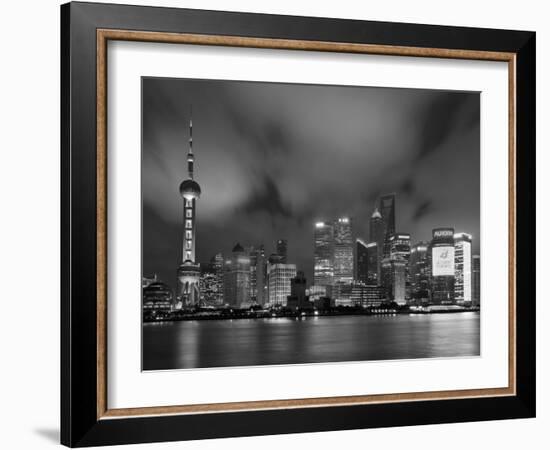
[(252, 342)]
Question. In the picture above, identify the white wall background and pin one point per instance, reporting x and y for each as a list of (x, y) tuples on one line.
[(29, 246)]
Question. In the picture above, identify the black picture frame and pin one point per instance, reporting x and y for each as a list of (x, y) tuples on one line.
[(80, 425)]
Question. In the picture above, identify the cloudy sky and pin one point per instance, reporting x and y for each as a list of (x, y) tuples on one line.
[(272, 159)]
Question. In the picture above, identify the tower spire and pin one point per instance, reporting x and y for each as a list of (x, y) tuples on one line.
[(190, 156)]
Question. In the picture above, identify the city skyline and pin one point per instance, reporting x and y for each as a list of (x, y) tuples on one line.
[(275, 215)]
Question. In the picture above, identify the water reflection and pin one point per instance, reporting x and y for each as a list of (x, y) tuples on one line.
[(224, 343)]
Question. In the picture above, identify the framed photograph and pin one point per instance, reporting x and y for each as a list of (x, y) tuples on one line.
[(276, 224)]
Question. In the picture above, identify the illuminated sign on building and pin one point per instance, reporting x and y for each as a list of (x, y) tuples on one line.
[(443, 233), (443, 261)]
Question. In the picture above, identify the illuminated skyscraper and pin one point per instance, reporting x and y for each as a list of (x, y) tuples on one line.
[(217, 266), (394, 273), (236, 280), (188, 270), (209, 293), (279, 276), (157, 300), (419, 269), (343, 250), (442, 252), (323, 269), (282, 250), (367, 262), (362, 267), (377, 234), (386, 206), (463, 268), (476, 280), (373, 264), (257, 274), (400, 248)]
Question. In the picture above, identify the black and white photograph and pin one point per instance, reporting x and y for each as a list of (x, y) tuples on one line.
[(298, 224)]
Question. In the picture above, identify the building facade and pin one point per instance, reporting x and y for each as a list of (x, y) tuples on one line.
[(394, 274), (386, 206), (216, 263), (400, 248), (208, 286), (257, 274), (442, 258), (463, 268), (323, 270), (343, 250), (236, 281), (282, 247), (298, 298), (419, 269), (278, 277), (366, 295), (362, 261), (476, 280), (157, 300), (377, 235)]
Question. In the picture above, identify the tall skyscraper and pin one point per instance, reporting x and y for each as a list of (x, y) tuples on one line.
[(362, 267), (394, 272), (279, 276), (377, 234), (463, 268), (188, 270), (298, 298), (476, 280), (367, 262), (208, 284), (442, 252), (236, 281), (323, 269), (343, 250), (217, 266), (400, 248), (281, 247), (257, 274), (386, 206), (419, 268), (373, 264)]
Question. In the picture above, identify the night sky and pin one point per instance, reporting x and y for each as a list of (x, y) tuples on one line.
[(272, 159)]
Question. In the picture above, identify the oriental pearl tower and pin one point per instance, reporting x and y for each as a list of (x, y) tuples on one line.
[(189, 270)]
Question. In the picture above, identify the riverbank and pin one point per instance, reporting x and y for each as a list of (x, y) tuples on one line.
[(251, 313)]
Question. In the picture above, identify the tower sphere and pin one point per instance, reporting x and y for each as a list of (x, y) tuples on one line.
[(190, 189)]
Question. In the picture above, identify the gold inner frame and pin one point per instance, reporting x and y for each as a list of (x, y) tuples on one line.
[(104, 35)]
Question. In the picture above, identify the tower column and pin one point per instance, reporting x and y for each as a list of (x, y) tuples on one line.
[(189, 270)]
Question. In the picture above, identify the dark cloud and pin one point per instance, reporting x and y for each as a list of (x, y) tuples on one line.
[(267, 199), (407, 187), (439, 119), (274, 158), (422, 209)]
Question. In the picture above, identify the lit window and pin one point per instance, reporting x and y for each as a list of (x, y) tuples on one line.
[(188, 224), (188, 244), (188, 255), (188, 202), (188, 234), (188, 213)]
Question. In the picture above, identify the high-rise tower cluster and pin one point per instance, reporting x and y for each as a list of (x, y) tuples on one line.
[(347, 269), (388, 267)]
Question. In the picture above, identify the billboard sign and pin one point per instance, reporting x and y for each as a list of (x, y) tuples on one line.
[(443, 261), (443, 233)]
